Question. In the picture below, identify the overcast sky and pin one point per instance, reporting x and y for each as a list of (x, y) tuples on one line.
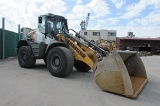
[(142, 17)]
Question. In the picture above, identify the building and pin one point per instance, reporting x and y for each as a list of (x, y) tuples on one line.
[(134, 42), (99, 34)]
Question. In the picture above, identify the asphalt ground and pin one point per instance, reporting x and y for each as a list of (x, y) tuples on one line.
[(37, 87)]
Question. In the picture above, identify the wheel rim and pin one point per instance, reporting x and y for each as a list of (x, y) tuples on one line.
[(55, 62), (23, 57)]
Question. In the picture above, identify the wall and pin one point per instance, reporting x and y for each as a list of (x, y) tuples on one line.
[(0, 43), (89, 35), (11, 41), (112, 38), (103, 34)]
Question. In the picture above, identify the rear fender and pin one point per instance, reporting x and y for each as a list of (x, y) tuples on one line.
[(22, 43)]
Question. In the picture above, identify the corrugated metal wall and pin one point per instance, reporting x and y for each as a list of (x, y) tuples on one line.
[(0, 43), (11, 41)]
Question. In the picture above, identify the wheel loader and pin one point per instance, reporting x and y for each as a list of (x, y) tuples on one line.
[(105, 45), (118, 72)]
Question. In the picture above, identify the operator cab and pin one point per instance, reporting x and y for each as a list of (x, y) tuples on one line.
[(51, 25)]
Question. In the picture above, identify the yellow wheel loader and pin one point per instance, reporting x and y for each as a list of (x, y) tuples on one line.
[(118, 72), (105, 44)]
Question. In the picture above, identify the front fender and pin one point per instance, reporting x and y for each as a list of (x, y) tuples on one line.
[(55, 44)]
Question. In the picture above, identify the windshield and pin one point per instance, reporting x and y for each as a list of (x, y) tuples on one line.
[(56, 26), (52, 25)]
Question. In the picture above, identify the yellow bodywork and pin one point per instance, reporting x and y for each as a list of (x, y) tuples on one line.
[(122, 72), (106, 44), (81, 52)]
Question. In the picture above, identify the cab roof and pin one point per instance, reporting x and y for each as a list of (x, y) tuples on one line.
[(50, 15)]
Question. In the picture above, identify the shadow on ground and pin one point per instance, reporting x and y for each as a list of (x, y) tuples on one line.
[(73, 75)]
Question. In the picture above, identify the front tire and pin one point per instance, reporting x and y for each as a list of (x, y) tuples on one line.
[(25, 58), (60, 61)]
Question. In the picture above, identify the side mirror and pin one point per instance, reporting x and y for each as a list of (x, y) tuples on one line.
[(40, 20)]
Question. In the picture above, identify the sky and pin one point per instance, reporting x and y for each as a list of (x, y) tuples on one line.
[(142, 17)]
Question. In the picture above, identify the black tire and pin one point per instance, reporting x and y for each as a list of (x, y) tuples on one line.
[(25, 58), (45, 61), (81, 66), (60, 61)]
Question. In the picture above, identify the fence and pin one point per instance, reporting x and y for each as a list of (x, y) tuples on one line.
[(0, 43), (10, 43)]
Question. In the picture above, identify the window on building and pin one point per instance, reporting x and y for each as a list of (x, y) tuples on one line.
[(96, 33), (85, 33), (111, 33)]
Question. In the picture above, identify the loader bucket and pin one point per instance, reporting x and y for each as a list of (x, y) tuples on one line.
[(122, 72)]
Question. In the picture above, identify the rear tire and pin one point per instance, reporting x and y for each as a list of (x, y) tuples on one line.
[(81, 66), (25, 58), (60, 61)]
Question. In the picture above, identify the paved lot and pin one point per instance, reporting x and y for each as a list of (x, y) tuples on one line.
[(37, 87)]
